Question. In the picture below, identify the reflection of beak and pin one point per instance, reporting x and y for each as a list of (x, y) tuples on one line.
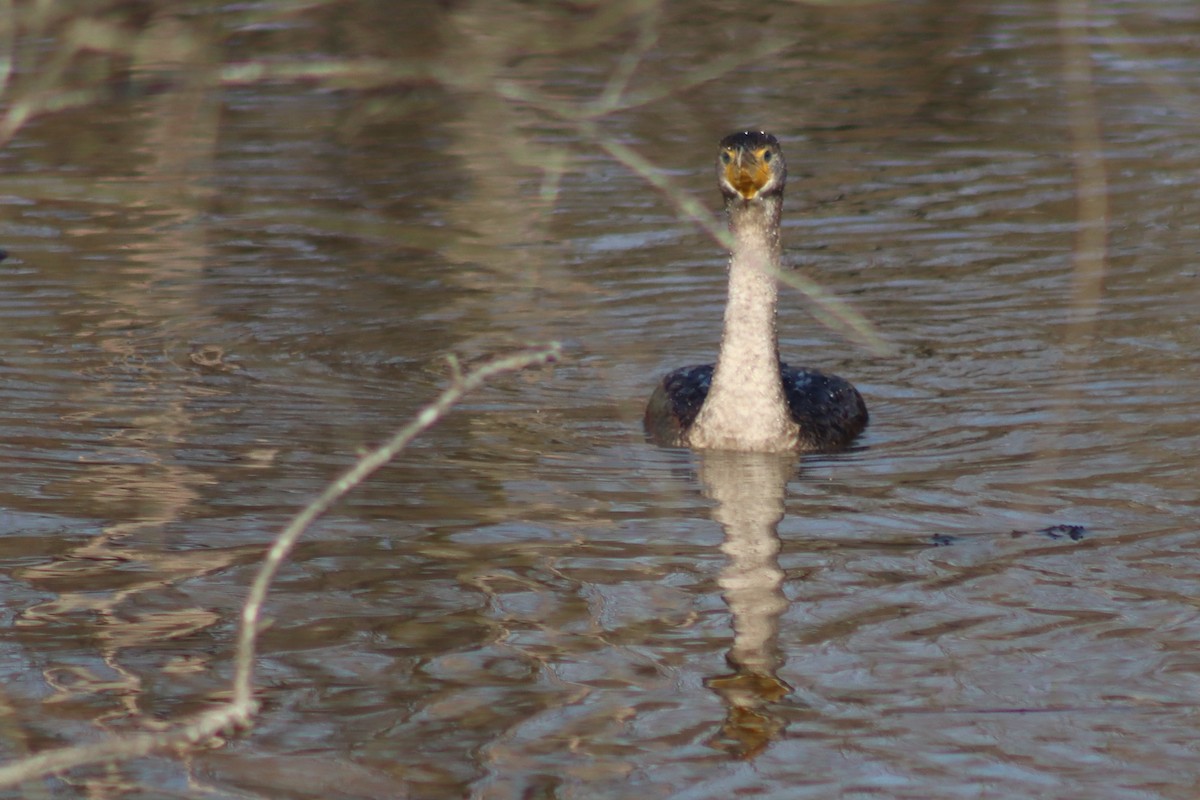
[(747, 174)]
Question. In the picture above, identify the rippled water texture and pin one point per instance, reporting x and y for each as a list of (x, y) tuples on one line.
[(215, 299)]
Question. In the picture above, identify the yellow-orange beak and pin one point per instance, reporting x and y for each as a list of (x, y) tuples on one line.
[(747, 172)]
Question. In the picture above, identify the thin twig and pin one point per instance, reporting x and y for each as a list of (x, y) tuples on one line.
[(461, 385), (631, 59), (239, 712), (607, 104)]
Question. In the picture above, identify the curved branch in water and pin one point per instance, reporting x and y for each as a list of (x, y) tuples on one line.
[(240, 710)]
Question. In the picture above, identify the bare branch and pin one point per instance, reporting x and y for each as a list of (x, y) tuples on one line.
[(829, 308), (367, 464), (239, 712)]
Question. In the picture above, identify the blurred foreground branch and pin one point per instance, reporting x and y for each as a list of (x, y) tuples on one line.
[(828, 307), (618, 96), (115, 49), (240, 710)]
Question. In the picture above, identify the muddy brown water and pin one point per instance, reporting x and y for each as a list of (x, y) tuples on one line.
[(202, 328)]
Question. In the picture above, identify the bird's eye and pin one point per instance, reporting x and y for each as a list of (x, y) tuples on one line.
[(725, 157), (767, 157)]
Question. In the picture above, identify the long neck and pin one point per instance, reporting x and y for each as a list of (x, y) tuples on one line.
[(749, 343), (746, 408)]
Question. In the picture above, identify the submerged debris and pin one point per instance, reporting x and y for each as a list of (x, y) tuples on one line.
[(1073, 532)]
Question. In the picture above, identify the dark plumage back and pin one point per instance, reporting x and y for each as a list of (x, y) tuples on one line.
[(828, 409)]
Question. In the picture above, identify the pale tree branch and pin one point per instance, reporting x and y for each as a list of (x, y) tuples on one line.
[(833, 311), (240, 710)]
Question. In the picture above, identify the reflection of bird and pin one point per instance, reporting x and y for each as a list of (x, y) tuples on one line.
[(749, 491), (750, 400)]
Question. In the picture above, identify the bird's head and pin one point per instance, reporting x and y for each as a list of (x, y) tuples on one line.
[(750, 166)]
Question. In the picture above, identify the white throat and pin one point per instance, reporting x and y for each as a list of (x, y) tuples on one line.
[(746, 408)]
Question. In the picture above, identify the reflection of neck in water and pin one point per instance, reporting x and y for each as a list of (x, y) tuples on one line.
[(749, 491)]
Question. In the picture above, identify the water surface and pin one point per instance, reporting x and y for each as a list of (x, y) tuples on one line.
[(216, 299)]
